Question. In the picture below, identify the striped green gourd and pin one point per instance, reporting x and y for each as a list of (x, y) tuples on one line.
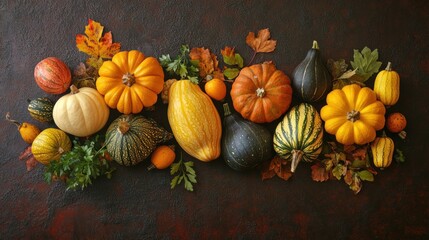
[(299, 136), (41, 109), (132, 138)]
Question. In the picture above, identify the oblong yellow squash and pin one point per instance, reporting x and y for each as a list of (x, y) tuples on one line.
[(382, 151), (386, 86), (194, 121)]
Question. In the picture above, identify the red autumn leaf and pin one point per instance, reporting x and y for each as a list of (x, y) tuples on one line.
[(262, 42), (29, 159), (277, 166), (319, 173), (228, 52), (95, 44)]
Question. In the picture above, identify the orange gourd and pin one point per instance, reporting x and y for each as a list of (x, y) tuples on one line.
[(261, 93), (216, 89), (27, 130), (162, 157), (353, 114), (130, 81)]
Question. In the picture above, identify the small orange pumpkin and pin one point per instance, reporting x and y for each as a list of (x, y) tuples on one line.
[(130, 81), (396, 122), (261, 93)]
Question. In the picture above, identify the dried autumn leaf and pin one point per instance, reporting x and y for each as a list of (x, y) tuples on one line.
[(207, 61), (96, 45), (277, 166), (319, 173), (262, 42), (29, 159), (228, 52)]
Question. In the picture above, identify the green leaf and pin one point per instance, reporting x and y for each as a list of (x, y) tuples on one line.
[(399, 156), (366, 175), (230, 60), (338, 171), (185, 173), (188, 186), (231, 73), (239, 60), (365, 63), (192, 178), (174, 181), (337, 68)]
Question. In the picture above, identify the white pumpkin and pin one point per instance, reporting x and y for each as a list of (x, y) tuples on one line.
[(81, 113)]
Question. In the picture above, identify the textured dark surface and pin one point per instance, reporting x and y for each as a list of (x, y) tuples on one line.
[(136, 204)]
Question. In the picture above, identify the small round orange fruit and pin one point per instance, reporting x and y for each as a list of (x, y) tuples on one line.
[(396, 122), (162, 157), (216, 89)]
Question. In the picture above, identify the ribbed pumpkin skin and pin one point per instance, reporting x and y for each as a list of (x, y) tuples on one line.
[(194, 120), (261, 93), (386, 86), (353, 114), (311, 79), (52, 75), (245, 144), (300, 132), (382, 151), (130, 139), (41, 109), (130, 81), (50, 144), (81, 113)]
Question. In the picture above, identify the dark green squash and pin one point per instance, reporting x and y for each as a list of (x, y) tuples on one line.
[(311, 79), (245, 144), (41, 109), (132, 138), (299, 136)]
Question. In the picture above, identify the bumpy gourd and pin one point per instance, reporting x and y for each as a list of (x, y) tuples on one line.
[(81, 113), (130, 81), (41, 109), (261, 93), (386, 86), (194, 120), (311, 79), (299, 136), (50, 144), (353, 114), (130, 139), (382, 151), (245, 144)]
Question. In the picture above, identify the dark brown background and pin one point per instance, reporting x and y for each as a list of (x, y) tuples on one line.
[(225, 204)]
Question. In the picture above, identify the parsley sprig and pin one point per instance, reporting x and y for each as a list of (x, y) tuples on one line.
[(181, 67), (185, 173), (78, 167)]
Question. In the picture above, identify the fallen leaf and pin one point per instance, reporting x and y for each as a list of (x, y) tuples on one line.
[(207, 61), (262, 42), (29, 159), (277, 166), (319, 173)]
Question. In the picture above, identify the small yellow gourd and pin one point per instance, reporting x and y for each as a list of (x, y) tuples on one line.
[(50, 144), (27, 130), (386, 86), (382, 151)]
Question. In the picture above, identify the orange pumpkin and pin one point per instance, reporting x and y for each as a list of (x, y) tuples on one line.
[(130, 81), (261, 93)]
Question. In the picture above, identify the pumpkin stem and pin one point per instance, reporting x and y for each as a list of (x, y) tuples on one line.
[(128, 79), (260, 92), (296, 158), (60, 150), (226, 111), (18, 124), (123, 127), (74, 89), (315, 45), (353, 115), (389, 66)]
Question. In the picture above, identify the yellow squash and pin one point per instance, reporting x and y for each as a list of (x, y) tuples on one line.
[(386, 86), (194, 120), (50, 144), (353, 114), (382, 151), (130, 81)]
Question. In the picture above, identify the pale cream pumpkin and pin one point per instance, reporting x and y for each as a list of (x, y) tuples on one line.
[(81, 113)]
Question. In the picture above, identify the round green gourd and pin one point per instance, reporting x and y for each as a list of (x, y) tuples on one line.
[(41, 109), (311, 79), (245, 144), (132, 138), (299, 136)]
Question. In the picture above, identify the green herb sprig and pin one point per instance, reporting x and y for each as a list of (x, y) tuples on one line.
[(181, 67), (78, 167), (185, 173)]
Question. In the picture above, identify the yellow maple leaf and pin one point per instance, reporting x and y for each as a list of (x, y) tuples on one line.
[(262, 42), (95, 44)]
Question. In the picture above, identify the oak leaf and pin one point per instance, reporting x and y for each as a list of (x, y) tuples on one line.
[(319, 173), (262, 42)]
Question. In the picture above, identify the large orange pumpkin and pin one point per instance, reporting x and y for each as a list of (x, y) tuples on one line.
[(130, 81), (261, 93)]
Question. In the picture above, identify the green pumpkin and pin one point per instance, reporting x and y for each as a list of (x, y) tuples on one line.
[(299, 136), (132, 138), (41, 109)]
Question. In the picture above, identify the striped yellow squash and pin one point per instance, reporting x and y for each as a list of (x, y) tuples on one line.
[(194, 121), (382, 151), (386, 86), (299, 136)]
